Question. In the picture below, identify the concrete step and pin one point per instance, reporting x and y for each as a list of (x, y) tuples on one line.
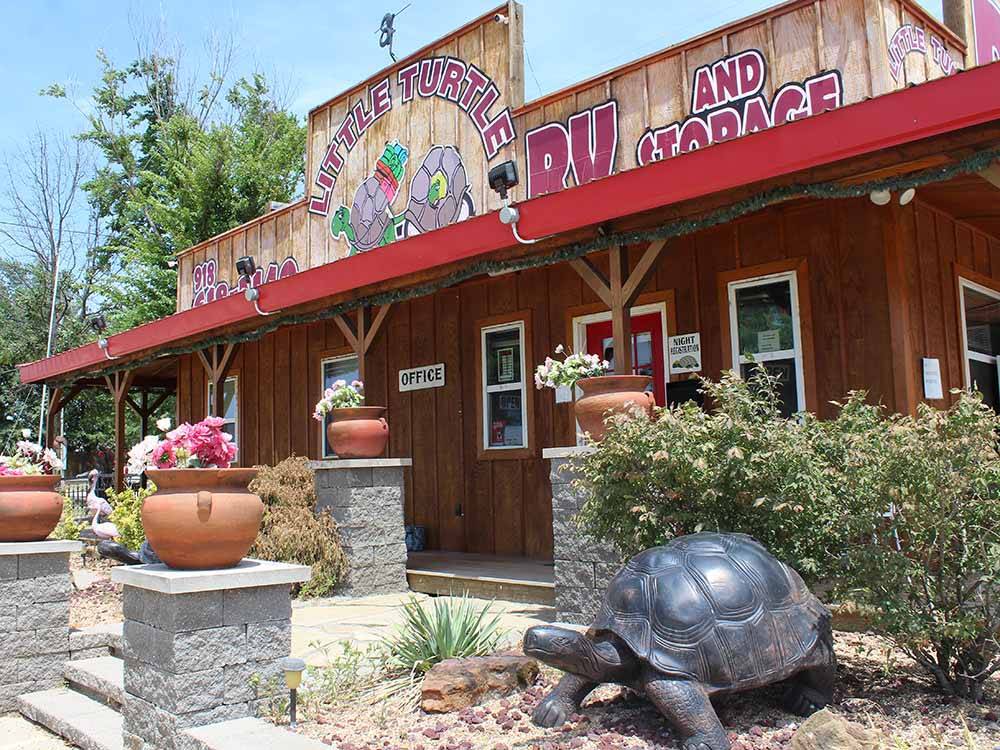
[(102, 678), (249, 734), (96, 640), (79, 720)]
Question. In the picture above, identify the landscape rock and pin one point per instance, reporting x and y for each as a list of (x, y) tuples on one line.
[(459, 683), (825, 730)]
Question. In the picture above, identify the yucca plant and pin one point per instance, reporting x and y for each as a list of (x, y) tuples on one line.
[(446, 629)]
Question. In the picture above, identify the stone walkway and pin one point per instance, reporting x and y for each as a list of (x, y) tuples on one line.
[(318, 627), (20, 734)]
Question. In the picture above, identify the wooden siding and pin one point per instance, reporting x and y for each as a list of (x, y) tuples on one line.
[(799, 39), (507, 503)]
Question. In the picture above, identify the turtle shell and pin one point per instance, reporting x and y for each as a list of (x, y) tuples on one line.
[(370, 214), (715, 608)]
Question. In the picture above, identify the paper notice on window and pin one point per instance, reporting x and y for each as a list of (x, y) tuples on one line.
[(933, 388), (768, 341)]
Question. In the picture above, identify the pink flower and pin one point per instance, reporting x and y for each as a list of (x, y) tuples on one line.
[(164, 455), (215, 422), (6, 471)]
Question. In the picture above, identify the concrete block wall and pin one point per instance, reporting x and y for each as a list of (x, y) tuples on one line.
[(35, 586), (366, 499), (200, 658), (583, 566)]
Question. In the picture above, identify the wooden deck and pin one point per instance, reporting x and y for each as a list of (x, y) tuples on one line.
[(515, 579)]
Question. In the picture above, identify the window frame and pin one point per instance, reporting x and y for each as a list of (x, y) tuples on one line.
[(797, 270), (235, 377), (964, 281), (522, 322), (348, 354)]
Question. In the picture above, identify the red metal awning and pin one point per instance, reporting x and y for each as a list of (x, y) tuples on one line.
[(946, 105)]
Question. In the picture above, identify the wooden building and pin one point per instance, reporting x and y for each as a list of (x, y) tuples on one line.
[(754, 185)]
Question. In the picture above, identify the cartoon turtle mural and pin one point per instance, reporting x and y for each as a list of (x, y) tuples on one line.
[(440, 193), (370, 222)]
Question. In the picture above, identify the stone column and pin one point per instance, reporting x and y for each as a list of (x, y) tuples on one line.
[(201, 646), (35, 585), (583, 565), (366, 499)]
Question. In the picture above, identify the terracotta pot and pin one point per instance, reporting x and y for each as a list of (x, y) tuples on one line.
[(610, 393), (359, 432), (201, 518), (30, 507)]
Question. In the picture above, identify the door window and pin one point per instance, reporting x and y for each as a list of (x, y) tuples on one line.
[(230, 407), (505, 419), (764, 321), (647, 348)]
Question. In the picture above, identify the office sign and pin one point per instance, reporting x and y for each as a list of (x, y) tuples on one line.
[(419, 378)]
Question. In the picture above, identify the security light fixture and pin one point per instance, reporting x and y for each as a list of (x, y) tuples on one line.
[(880, 197), (98, 323), (906, 196), (245, 266), (293, 669), (502, 178)]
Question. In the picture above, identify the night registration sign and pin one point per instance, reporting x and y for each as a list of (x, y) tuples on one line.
[(418, 378)]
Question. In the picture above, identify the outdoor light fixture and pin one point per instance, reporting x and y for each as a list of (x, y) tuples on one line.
[(246, 268), (880, 197), (906, 196), (502, 178), (293, 669), (501, 18), (98, 323)]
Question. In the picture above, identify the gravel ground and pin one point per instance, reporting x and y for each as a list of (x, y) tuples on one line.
[(101, 600), (878, 687)]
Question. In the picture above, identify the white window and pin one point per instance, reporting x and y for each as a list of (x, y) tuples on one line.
[(766, 332), (981, 340), (230, 407), (505, 413), (332, 370)]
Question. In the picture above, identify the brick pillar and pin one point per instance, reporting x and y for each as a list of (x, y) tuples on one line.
[(583, 566), (35, 585), (201, 647), (366, 499)]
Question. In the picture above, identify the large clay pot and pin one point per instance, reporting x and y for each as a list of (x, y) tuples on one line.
[(610, 393), (358, 432), (30, 507), (201, 518)]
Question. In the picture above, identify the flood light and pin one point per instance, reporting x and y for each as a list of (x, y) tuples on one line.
[(880, 197)]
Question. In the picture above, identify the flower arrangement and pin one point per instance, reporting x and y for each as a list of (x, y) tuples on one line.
[(556, 373), (342, 395), (199, 446), (29, 459)]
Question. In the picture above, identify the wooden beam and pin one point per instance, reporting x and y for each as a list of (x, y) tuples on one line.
[(621, 313), (375, 325), (593, 278), (217, 361), (347, 328), (118, 383), (992, 174), (642, 273), (900, 351)]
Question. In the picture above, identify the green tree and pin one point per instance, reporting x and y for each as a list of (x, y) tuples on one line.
[(180, 164)]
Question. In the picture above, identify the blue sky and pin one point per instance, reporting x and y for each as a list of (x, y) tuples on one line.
[(319, 47)]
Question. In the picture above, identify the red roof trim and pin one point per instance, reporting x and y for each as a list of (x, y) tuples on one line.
[(947, 104)]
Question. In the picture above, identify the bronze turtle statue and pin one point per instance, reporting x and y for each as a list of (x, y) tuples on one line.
[(705, 614)]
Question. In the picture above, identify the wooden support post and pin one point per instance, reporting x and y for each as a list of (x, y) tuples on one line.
[(145, 409), (619, 291), (57, 403), (904, 359), (217, 361), (361, 333), (118, 384)]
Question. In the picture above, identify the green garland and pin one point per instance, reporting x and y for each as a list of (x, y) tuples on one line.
[(829, 190)]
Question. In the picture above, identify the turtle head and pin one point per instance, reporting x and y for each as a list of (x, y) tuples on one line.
[(572, 651)]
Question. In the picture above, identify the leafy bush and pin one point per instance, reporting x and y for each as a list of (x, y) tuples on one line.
[(292, 531), (68, 528), (126, 514), (446, 628), (901, 511), (740, 467)]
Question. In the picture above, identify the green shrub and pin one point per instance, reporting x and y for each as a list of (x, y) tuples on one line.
[(126, 514), (68, 528), (292, 531), (901, 512), (740, 467), (444, 628)]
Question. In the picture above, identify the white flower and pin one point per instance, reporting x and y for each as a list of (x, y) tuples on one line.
[(560, 349), (26, 433), (163, 424)]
